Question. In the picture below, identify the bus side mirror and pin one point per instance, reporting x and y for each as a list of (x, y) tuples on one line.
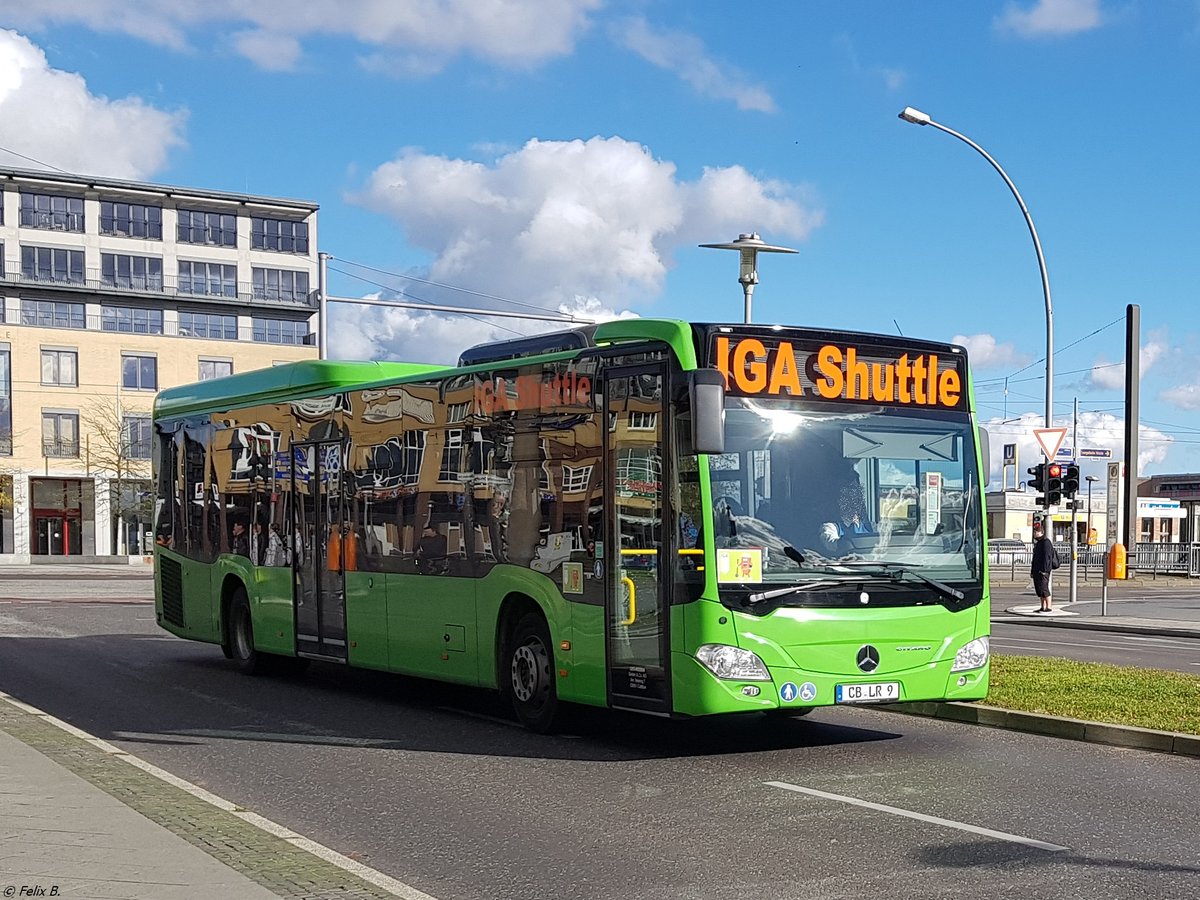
[(706, 388), (985, 453)]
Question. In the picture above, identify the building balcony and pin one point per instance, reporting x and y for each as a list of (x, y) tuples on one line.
[(60, 449), (157, 287)]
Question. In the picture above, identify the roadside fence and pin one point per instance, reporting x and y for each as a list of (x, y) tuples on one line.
[(1147, 558)]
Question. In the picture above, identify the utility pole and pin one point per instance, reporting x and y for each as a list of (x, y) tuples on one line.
[(1073, 593), (1133, 327)]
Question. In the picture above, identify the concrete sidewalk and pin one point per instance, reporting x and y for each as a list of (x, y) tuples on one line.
[(71, 839), (1167, 605), (81, 818)]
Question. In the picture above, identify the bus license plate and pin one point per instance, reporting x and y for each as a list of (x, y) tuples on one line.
[(868, 693)]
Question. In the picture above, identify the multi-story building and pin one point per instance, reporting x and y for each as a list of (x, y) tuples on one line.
[(109, 291)]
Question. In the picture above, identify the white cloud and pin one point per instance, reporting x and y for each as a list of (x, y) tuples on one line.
[(984, 352), (580, 225), (125, 138), (685, 55), (1111, 376), (517, 35), (893, 78), (268, 50), (1184, 396), (1096, 430), (1051, 18), (410, 335)]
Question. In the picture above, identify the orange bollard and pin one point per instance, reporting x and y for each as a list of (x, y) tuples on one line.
[(1116, 562)]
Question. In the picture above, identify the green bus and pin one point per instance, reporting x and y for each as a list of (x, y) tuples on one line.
[(676, 518)]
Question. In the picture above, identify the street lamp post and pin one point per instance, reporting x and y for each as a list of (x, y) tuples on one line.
[(916, 117), (749, 245)]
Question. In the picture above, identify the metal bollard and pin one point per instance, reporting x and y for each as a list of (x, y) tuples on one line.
[(1104, 588)]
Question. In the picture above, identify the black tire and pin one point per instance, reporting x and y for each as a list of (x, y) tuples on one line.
[(240, 631), (528, 675)]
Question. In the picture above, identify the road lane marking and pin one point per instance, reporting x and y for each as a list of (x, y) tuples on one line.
[(920, 817), (366, 873), (1120, 645)]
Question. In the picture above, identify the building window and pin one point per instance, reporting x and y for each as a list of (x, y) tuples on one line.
[(139, 373), (279, 331), (215, 368), (458, 412), (52, 314), (279, 234), (60, 434), (143, 273), (136, 437), (576, 479), (52, 264), (208, 325), (642, 421), (207, 278), (60, 368), (130, 220), (197, 227), (131, 320), (52, 212), (280, 284), (1, 259), (452, 455)]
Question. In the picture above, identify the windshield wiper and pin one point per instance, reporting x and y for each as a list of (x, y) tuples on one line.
[(800, 588), (903, 568)]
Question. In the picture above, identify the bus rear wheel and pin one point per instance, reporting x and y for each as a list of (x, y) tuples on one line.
[(530, 674)]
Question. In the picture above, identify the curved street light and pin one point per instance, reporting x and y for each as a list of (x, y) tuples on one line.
[(916, 117)]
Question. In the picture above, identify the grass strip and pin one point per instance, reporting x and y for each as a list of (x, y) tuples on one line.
[(1097, 692)]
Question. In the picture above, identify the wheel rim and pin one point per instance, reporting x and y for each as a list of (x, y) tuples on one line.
[(529, 663)]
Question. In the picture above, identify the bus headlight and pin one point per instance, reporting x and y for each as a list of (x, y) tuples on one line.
[(972, 656), (732, 663)]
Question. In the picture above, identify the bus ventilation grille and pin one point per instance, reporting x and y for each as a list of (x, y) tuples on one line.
[(172, 590)]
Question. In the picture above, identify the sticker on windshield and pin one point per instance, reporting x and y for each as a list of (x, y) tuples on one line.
[(740, 564)]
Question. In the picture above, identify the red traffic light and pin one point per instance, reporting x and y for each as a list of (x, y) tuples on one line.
[(1054, 470)]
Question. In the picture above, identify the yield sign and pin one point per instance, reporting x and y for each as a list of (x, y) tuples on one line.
[(1050, 440)]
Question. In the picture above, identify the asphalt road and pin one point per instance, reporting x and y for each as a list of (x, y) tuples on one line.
[(435, 786), (1146, 651)]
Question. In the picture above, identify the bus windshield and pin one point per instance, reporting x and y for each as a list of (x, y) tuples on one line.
[(809, 493)]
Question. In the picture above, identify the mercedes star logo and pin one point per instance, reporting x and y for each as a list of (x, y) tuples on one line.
[(868, 658)]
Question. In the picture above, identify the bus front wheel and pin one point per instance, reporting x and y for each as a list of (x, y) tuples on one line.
[(241, 635), (530, 675)]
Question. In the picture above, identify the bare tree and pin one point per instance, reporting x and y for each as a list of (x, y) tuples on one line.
[(117, 437)]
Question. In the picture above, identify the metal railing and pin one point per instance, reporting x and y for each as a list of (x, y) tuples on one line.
[(1146, 558), (159, 285)]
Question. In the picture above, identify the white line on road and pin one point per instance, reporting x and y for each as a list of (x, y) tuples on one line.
[(920, 817), (366, 873), (1094, 642)]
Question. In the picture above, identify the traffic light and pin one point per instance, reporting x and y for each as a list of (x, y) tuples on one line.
[(1037, 477), (1054, 484), (1071, 480)]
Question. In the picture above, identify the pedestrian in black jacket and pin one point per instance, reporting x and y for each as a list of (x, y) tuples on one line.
[(1045, 560)]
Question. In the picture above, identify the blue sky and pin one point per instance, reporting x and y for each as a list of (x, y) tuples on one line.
[(571, 154)]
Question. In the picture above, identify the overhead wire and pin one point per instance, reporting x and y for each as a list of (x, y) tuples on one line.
[(388, 287)]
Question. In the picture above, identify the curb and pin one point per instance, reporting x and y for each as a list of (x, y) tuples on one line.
[(1093, 624), (1126, 736)]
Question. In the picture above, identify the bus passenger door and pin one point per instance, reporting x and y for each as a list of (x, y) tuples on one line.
[(636, 609), (318, 535)]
